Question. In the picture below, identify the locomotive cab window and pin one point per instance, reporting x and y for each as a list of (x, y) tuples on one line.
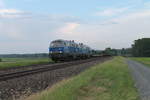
[(57, 44)]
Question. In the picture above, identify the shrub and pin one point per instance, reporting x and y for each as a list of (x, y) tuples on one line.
[(0, 60)]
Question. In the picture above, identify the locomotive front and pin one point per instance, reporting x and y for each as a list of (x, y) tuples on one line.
[(56, 50)]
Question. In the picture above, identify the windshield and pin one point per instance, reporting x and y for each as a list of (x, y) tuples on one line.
[(57, 44)]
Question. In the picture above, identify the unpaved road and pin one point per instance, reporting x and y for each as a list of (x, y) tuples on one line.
[(141, 75)]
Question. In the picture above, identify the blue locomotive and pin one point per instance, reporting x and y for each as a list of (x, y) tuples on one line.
[(62, 50)]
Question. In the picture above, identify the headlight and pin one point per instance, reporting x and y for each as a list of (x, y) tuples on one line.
[(51, 52), (60, 51)]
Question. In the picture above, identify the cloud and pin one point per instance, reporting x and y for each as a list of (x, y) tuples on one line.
[(44, 27), (27, 35), (111, 12), (143, 14), (9, 11), (10, 30), (68, 28), (12, 13), (121, 35), (18, 33), (36, 33), (128, 28)]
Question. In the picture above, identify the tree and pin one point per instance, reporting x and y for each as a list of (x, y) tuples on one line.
[(141, 47), (112, 52), (0, 60)]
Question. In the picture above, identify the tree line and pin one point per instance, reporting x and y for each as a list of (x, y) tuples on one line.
[(141, 48)]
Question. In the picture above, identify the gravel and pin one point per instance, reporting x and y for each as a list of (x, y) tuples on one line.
[(23, 68), (24, 86), (141, 75)]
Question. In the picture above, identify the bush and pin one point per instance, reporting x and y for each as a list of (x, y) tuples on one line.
[(0, 60)]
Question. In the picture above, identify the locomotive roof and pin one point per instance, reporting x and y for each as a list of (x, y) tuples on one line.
[(72, 41)]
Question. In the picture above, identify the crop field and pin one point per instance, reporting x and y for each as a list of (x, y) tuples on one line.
[(144, 60), (17, 62), (108, 81)]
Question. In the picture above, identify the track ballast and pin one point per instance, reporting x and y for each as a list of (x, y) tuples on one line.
[(43, 68)]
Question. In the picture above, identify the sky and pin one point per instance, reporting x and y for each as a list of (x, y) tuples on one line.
[(28, 26)]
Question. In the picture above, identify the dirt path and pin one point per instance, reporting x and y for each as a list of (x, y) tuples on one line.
[(141, 75)]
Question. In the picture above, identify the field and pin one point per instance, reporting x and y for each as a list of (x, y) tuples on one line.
[(144, 60), (108, 81), (17, 62)]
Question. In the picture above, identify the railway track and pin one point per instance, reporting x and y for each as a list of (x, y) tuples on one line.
[(44, 68)]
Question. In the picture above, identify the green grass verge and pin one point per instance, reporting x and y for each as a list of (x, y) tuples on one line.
[(108, 81), (18, 62), (144, 60)]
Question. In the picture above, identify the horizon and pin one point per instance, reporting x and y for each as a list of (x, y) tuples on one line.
[(28, 26)]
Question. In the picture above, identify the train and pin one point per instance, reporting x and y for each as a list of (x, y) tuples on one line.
[(66, 50)]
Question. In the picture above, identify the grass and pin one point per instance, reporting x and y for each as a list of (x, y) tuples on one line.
[(18, 62), (108, 81), (144, 60)]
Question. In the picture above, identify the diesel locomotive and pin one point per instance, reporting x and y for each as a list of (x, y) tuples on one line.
[(64, 50)]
